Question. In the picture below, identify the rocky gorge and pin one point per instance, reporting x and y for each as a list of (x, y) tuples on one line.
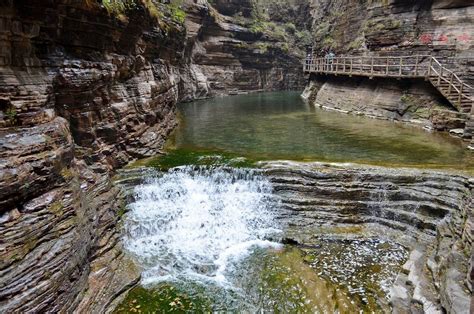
[(87, 87)]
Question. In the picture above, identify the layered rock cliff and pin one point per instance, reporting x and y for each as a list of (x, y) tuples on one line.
[(84, 89), (429, 213), (82, 93), (395, 28), (241, 46)]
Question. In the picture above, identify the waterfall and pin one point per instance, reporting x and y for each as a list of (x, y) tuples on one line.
[(194, 223)]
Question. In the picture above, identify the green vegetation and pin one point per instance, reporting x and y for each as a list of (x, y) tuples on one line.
[(290, 28), (122, 211), (56, 207), (263, 47), (328, 42), (152, 9), (121, 8), (372, 26), (356, 43), (163, 299), (324, 34), (285, 47), (11, 115), (304, 37), (118, 7), (177, 14), (67, 174)]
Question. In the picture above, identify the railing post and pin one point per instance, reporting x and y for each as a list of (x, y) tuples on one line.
[(450, 84), (460, 94), (387, 65), (344, 65), (351, 67), (428, 73), (372, 66), (416, 66), (440, 75), (400, 70)]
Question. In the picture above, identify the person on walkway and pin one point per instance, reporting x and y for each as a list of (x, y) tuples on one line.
[(331, 57), (308, 61)]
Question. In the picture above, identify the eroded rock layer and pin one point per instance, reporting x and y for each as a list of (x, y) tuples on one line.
[(85, 88), (82, 93), (429, 213), (240, 48)]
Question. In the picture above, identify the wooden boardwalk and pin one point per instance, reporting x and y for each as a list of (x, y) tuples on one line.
[(459, 94)]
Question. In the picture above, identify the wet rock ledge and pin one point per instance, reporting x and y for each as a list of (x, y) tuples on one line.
[(429, 213)]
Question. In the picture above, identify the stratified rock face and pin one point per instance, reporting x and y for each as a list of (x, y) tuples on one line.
[(440, 28), (429, 213), (410, 101), (240, 48), (81, 93)]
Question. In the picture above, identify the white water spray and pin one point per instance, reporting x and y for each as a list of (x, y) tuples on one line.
[(195, 223)]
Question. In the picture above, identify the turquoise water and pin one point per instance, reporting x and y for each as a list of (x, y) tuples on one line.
[(280, 125)]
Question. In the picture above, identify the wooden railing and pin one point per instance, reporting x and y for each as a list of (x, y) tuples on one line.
[(420, 66)]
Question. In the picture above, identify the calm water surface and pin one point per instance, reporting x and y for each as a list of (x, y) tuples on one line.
[(281, 126)]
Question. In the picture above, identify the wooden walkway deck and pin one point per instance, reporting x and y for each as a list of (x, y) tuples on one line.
[(448, 83)]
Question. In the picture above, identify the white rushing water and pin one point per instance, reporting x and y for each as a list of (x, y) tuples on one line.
[(196, 223)]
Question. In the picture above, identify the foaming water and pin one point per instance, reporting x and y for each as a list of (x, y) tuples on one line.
[(195, 223)]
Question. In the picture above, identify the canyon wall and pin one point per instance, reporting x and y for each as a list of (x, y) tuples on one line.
[(85, 89), (395, 28), (82, 93), (242, 46)]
